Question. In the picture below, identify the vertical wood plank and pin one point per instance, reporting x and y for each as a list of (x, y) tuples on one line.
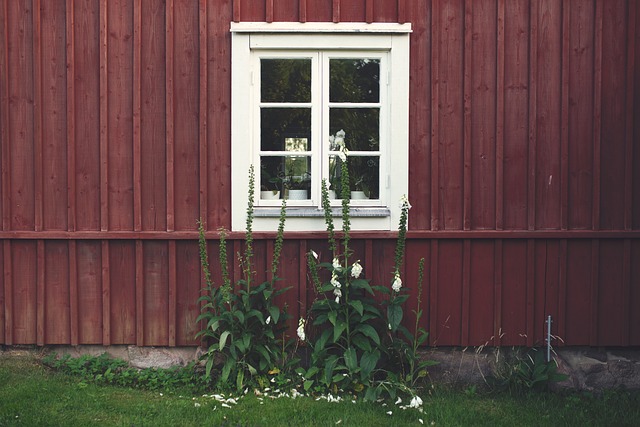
[(74, 318), (533, 133), (466, 284), (90, 302), (37, 115), (627, 296), (500, 122), (467, 56), (302, 6), (435, 117), (8, 292), (137, 95), (172, 297), (106, 294), (336, 10), (203, 155), (433, 294), (56, 292), (302, 280), (269, 13), (368, 11), (497, 292), (40, 293), (139, 293), (219, 99), (420, 114), (564, 119), (236, 11), (5, 129), (531, 292), (402, 11), (104, 120), (629, 137), (597, 115), (71, 116), (561, 323), (595, 285), (170, 114), (2, 301)]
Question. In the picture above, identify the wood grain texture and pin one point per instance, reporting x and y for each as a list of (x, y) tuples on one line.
[(115, 138)]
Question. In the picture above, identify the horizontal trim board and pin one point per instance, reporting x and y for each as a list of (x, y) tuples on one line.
[(303, 235), (319, 27)]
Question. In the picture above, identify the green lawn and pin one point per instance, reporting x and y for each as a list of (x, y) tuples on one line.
[(33, 395)]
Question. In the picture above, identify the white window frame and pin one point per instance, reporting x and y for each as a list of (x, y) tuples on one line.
[(390, 42)]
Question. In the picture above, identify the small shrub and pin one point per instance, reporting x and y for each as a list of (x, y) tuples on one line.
[(524, 373)]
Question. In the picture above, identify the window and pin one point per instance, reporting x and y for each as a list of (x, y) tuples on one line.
[(301, 93)]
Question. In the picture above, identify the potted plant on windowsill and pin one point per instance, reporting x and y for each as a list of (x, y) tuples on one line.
[(269, 185), (296, 188)]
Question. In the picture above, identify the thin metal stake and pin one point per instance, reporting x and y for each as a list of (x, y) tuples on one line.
[(549, 321)]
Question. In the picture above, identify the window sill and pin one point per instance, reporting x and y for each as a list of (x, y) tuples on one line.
[(311, 212)]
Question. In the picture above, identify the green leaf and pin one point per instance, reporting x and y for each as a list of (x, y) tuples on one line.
[(368, 331), (362, 284), (322, 341), (208, 366), (351, 359), (332, 317), (226, 370), (368, 363), (394, 316), (338, 330), (223, 339), (238, 314), (357, 305), (361, 342), (308, 384), (275, 313), (400, 299)]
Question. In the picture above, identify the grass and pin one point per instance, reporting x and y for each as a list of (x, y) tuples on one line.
[(33, 395)]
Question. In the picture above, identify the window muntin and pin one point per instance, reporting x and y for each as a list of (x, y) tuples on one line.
[(311, 97)]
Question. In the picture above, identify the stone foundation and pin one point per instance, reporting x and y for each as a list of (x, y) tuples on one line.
[(589, 369)]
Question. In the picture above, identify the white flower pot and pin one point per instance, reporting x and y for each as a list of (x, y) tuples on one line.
[(270, 195), (332, 194), (297, 195), (358, 195)]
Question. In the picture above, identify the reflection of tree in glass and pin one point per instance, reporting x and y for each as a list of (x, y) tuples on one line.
[(285, 80), (354, 80)]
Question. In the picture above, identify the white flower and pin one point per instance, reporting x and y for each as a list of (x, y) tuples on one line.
[(343, 155), (334, 281), (399, 401), (416, 402), (337, 300), (340, 133), (315, 255), (197, 405), (404, 201), (397, 283), (356, 270), (268, 320), (337, 292), (300, 330), (420, 420), (336, 264), (390, 413)]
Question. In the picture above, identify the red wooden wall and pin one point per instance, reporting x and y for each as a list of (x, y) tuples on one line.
[(524, 154)]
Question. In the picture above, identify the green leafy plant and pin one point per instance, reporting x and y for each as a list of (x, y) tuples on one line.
[(348, 352), (242, 325), (524, 373)]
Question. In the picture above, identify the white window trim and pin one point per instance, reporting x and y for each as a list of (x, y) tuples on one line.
[(248, 36)]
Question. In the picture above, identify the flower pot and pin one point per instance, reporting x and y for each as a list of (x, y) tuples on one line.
[(270, 195), (358, 195), (297, 195), (332, 194)]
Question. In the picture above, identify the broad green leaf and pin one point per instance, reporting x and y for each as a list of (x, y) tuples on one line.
[(351, 359), (274, 311), (357, 305), (394, 316), (332, 317), (369, 331), (361, 342), (368, 363), (338, 330), (226, 370), (223, 339)]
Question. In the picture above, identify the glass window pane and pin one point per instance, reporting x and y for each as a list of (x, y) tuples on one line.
[(285, 129), (285, 80), (354, 80), (284, 176), (360, 125), (364, 175)]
